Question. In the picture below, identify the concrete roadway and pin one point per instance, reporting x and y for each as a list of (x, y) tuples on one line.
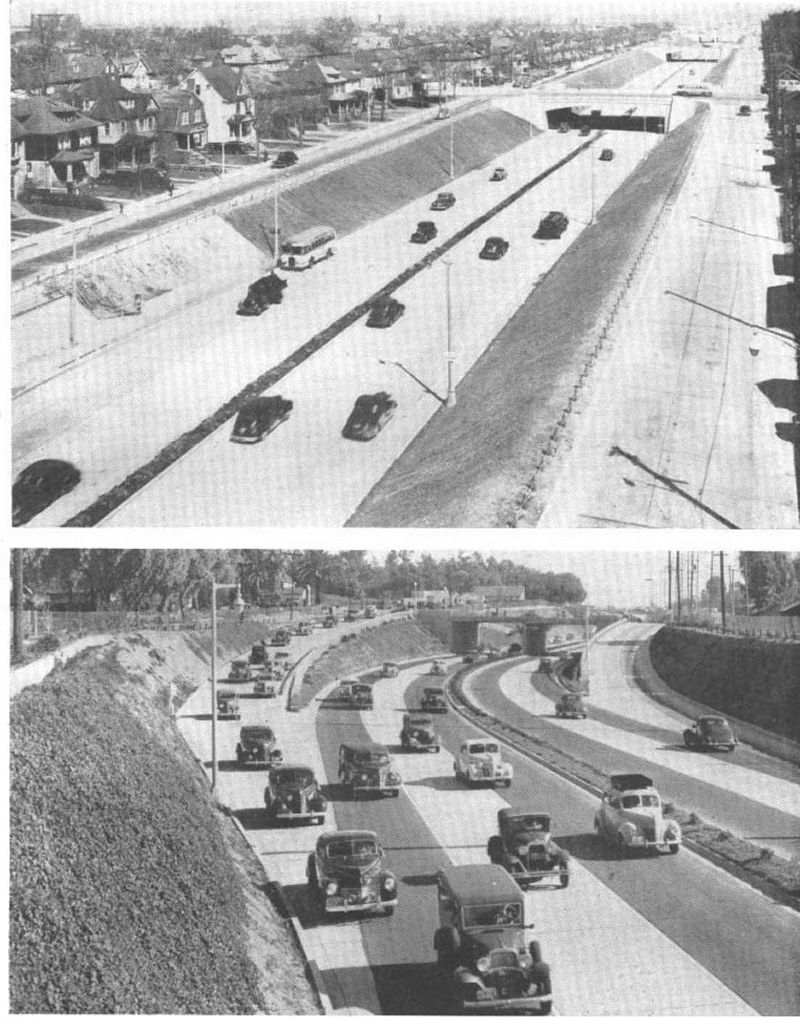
[(311, 475), (386, 965)]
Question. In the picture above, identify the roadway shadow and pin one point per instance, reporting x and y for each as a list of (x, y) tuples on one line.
[(412, 989), (585, 846), (783, 393), (201, 717), (253, 819), (449, 783), (783, 264), (417, 881), (301, 905), (232, 765)]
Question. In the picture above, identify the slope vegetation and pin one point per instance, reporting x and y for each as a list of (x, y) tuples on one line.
[(616, 72)]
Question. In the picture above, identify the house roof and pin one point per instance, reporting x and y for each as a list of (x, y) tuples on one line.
[(17, 130), (172, 103), (76, 67), (40, 115), (224, 79), (251, 53)]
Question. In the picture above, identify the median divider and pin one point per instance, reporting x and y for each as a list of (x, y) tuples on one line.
[(178, 448)]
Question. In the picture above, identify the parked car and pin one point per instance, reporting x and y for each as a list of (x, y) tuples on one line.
[(293, 794), (259, 653), (607, 155), (563, 128), (482, 956), (328, 622), (745, 111), (369, 415), (347, 874), (370, 613), (479, 762), (524, 847), (258, 417), (417, 734), (367, 768), (437, 668), (258, 745), (385, 312), (570, 706), (552, 226), (710, 733), (433, 700), (443, 200), (40, 484), (426, 231), (499, 174), (494, 248), (351, 615), (228, 705), (473, 655), (267, 290), (631, 816), (284, 159)]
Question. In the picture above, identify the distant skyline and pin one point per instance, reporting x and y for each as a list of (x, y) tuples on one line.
[(240, 13)]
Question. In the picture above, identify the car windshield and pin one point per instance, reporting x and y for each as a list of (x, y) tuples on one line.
[(714, 727), (352, 848), (293, 777), (257, 733), (632, 800), (434, 692), (488, 915), (371, 757), (483, 749), (422, 720), (529, 823), (361, 688)]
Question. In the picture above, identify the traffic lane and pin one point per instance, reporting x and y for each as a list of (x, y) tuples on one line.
[(295, 490), (711, 910), (399, 948)]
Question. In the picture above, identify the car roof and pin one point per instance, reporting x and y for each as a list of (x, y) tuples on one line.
[(630, 781), (437, 690), (368, 748), (476, 884), (330, 837), (511, 812), (257, 731), (291, 765)]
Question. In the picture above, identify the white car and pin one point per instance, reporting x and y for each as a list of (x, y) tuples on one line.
[(479, 761), (631, 816)]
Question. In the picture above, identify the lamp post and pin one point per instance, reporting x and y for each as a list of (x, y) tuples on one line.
[(239, 602), (450, 399)]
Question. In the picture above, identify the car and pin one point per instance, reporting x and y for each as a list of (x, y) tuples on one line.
[(417, 734), (385, 312), (493, 655), (367, 768), (631, 816), (745, 111), (607, 155), (284, 159), (281, 638), (524, 847), (552, 225), (303, 628), (228, 705), (478, 762), (437, 668), (351, 615), (570, 706), (442, 113), (472, 655), (426, 231), (710, 733), (258, 745), (239, 671), (499, 174), (258, 417), (370, 613), (563, 128), (40, 484), (494, 248), (444, 200), (328, 622), (265, 685), (354, 694), (347, 874), (433, 700), (369, 415), (293, 794), (267, 290), (389, 669), (259, 653), (584, 130), (482, 956)]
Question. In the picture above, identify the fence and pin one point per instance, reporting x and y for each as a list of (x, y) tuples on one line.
[(763, 628)]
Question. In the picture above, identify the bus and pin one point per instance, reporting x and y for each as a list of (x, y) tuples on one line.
[(694, 91), (304, 249)]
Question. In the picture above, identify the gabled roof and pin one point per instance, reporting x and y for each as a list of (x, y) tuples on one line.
[(76, 67), (223, 79), (172, 103), (17, 130), (39, 115)]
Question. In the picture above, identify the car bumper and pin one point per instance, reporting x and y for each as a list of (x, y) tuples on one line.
[(246, 439), (378, 791), (372, 905), (506, 1005), (294, 816)]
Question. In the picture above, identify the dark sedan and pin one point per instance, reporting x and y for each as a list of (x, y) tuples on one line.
[(494, 248), (426, 231), (444, 200), (259, 417), (385, 312), (284, 159), (371, 412), (40, 484)]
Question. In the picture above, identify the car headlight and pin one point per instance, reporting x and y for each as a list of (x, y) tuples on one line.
[(331, 888), (392, 777), (361, 777), (483, 965), (389, 883)]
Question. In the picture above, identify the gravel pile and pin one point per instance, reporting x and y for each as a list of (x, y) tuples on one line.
[(125, 896)]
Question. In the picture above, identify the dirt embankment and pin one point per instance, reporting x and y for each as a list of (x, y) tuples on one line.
[(616, 72), (393, 641), (130, 892), (755, 681), (359, 193)]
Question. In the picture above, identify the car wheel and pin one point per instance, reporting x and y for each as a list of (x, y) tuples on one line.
[(546, 1008), (388, 911), (621, 846), (564, 878), (674, 847)]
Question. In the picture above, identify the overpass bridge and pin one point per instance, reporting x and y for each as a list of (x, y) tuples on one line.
[(460, 629)]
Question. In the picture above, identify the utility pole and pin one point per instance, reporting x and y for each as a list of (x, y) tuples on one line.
[(722, 587), (678, 586), (669, 582), (73, 292), (591, 182), (732, 590), (276, 228), (452, 168), (19, 601), (450, 400)]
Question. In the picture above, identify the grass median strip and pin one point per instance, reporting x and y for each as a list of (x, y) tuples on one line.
[(179, 447)]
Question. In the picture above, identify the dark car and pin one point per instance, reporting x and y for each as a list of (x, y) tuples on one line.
[(524, 848), (385, 312), (570, 706), (552, 225), (710, 733), (744, 111), (228, 705), (371, 412), (499, 174), (585, 130), (259, 417), (426, 231), (417, 733), (294, 793), (607, 155), (443, 200), (284, 159), (348, 874), (40, 484), (267, 290), (433, 700), (258, 745), (494, 248)]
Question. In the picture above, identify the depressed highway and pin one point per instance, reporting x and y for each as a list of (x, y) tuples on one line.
[(721, 947)]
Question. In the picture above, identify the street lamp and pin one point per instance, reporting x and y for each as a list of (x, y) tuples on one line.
[(450, 399), (239, 603)]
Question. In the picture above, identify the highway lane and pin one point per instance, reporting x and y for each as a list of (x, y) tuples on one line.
[(314, 477)]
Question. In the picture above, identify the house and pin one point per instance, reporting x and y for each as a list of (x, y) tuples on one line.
[(299, 53), (180, 122), (134, 72), (372, 40), (17, 157), (343, 90), (252, 53), (72, 68), (127, 134), (285, 102), (60, 142), (227, 101)]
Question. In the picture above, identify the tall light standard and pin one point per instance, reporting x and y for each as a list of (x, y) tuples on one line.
[(450, 399), (239, 603), (452, 165)]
